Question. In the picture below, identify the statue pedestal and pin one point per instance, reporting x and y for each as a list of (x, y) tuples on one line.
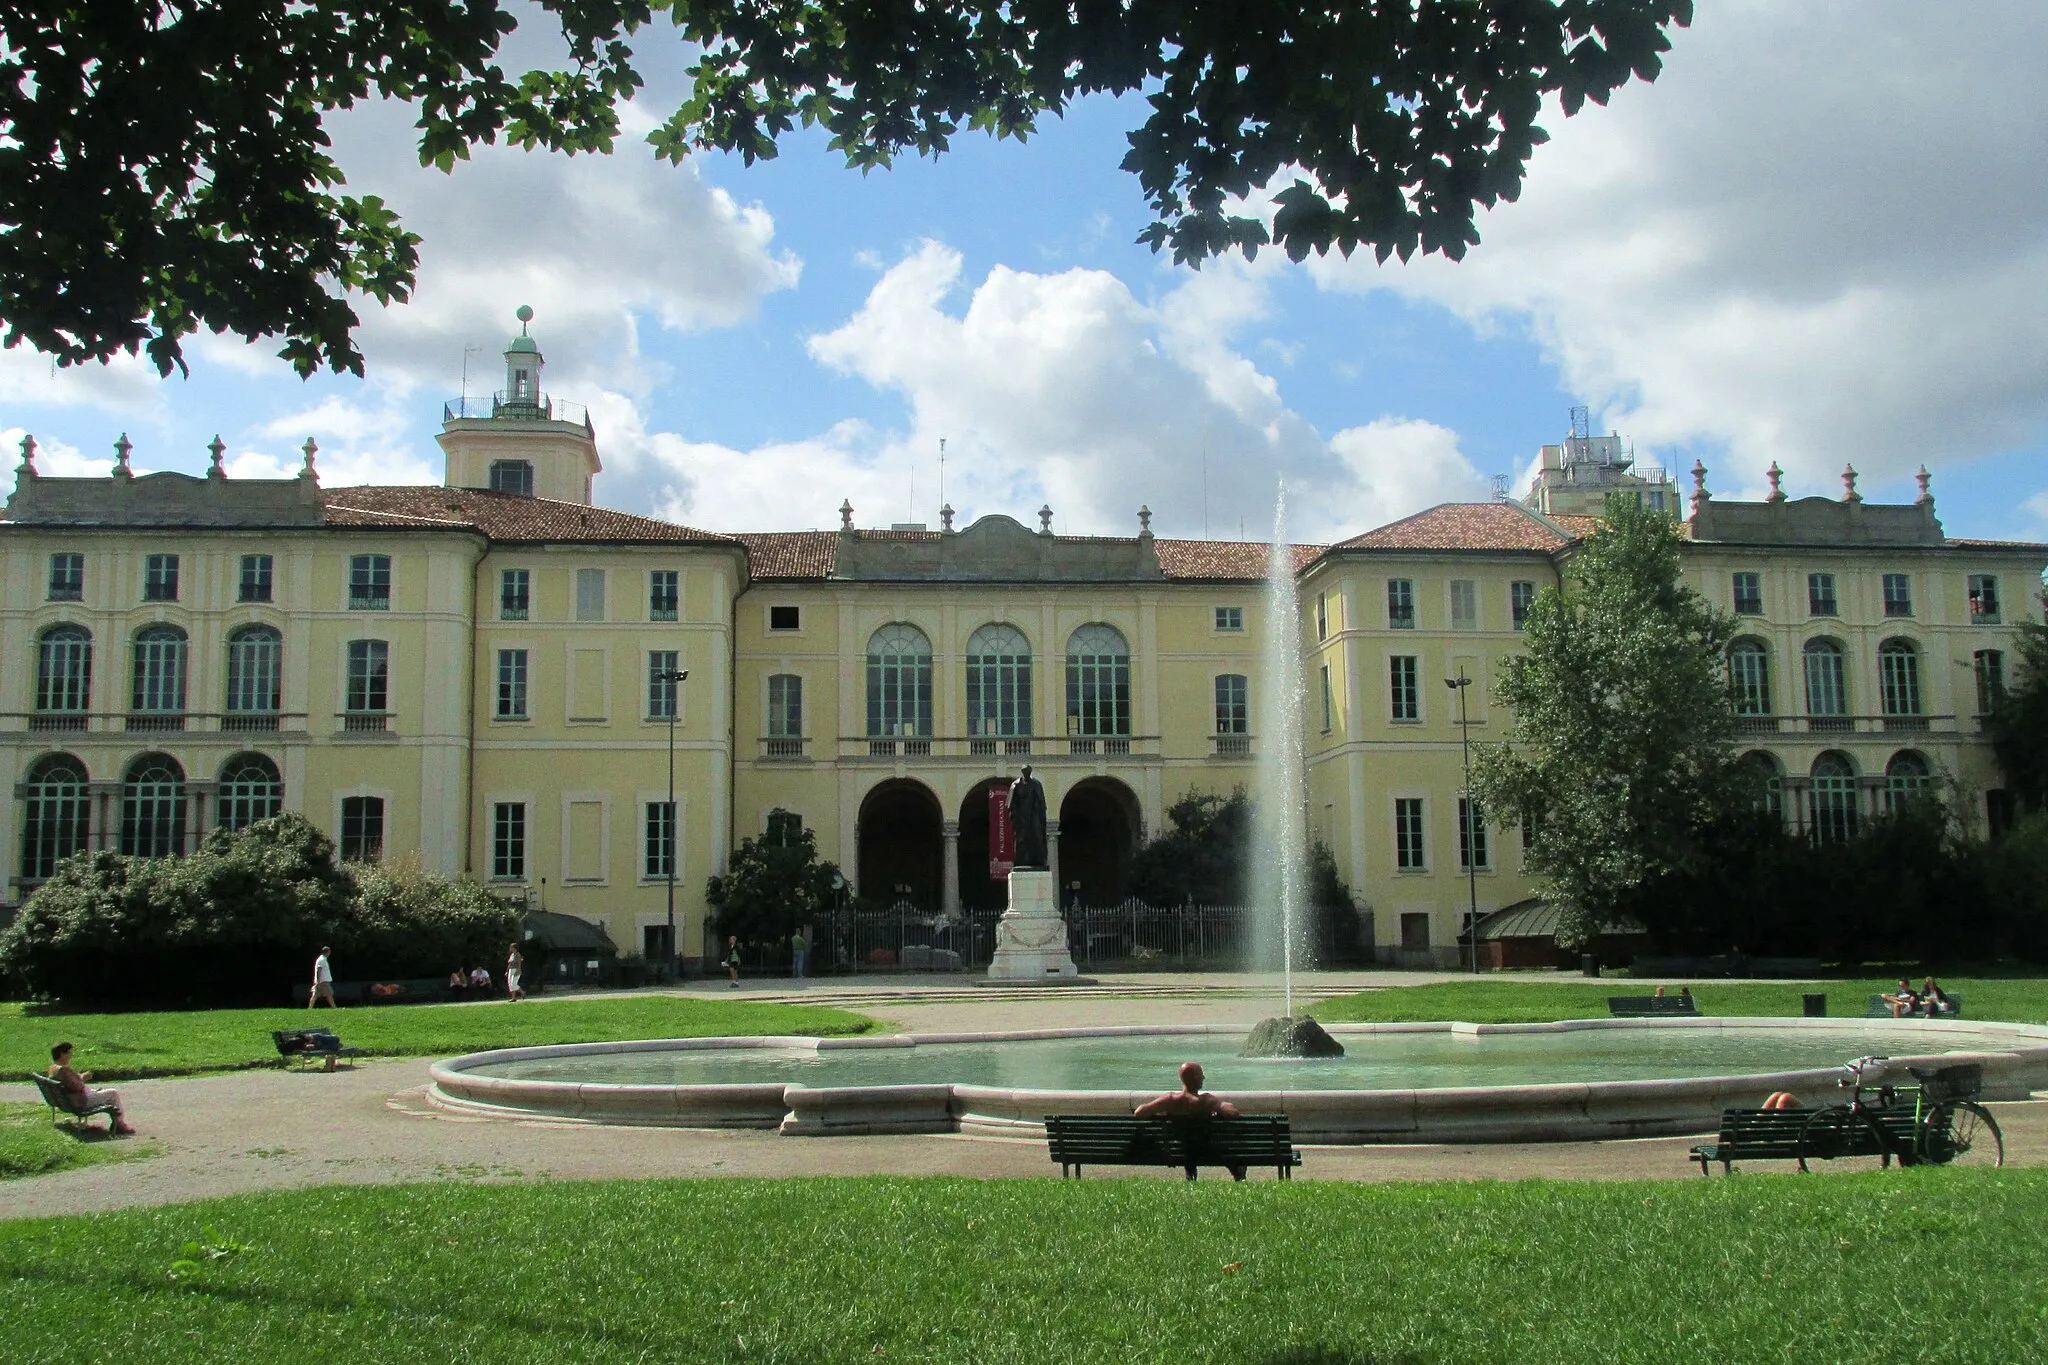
[(1031, 938)]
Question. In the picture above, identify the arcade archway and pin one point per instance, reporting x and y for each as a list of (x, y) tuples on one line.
[(1099, 822), (899, 845), (977, 890)]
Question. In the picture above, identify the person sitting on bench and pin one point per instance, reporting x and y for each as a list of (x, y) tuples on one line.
[(74, 1083), (1934, 1000), (1905, 1001), (1783, 1099), (1190, 1102)]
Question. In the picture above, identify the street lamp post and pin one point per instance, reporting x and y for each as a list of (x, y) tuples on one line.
[(1461, 684), (675, 680)]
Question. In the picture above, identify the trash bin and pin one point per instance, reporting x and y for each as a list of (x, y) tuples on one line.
[(1589, 965), (1816, 1005)]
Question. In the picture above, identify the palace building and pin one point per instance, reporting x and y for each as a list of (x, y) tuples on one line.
[(495, 675)]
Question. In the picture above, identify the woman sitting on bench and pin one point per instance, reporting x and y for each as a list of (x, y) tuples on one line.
[(83, 1095)]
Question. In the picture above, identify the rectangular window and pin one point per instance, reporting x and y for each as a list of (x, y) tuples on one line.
[(369, 583), (1749, 594), (784, 618), (1400, 604), (511, 684), (1408, 834), (658, 853), (1233, 709), (512, 476), (160, 579), (1989, 666), (664, 595), (661, 684), (508, 840), (1898, 594), (1820, 595), (1404, 689), (785, 706), (67, 577), (1521, 597), (590, 594), (1464, 604), (256, 571), (369, 676), (1323, 619), (515, 594), (362, 829), (1230, 618), (1329, 704), (1984, 599), (1471, 835)]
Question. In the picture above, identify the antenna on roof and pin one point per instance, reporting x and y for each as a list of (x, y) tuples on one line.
[(465, 368), (1500, 488), (942, 471), (1581, 422)]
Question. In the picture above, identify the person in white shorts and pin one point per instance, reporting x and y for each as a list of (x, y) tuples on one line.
[(323, 981), (514, 965)]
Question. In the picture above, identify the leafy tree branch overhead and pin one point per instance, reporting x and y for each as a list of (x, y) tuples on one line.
[(164, 164)]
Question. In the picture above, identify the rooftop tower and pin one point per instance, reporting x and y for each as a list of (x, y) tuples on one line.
[(519, 440)]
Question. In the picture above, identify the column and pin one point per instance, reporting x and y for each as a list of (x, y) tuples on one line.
[(949, 890), (1052, 861)]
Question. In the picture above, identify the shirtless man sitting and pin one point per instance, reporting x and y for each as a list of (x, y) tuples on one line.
[(1190, 1102), (74, 1083)]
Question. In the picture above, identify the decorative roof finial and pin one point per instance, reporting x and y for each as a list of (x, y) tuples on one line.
[(121, 449), (1777, 477), (1926, 499), (1699, 486), (1849, 493), (28, 456), (306, 471), (525, 315), (1045, 519), (1144, 523), (846, 515), (946, 517), (219, 448)]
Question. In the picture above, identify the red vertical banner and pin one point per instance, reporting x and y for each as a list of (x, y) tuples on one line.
[(1001, 851)]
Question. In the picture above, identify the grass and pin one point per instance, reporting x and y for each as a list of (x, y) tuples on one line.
[(1935, 1262), (124, 1046), (2014, 1000), (32, 1145)]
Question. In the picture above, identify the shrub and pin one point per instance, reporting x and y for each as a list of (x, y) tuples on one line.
[(405, 921)]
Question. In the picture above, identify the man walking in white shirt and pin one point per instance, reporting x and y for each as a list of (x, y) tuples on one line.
[(323, 981)]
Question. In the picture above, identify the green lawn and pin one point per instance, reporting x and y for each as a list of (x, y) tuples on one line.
[(1934, 1263), (32, 1145), (118, 1046), (1496, 1001)]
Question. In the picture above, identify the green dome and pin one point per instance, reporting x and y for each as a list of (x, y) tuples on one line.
[(522, 343)]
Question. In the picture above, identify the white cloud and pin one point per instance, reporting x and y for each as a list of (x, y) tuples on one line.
[(124, 384), (1817, 238), (54, 459)]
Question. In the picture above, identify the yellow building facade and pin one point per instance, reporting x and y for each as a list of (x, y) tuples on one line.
[(494, 675)]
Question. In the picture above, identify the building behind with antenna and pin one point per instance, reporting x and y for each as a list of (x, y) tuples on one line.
[(1577, 477)]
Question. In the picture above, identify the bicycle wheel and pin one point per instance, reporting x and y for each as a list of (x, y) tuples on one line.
[(1826, 1136), (1962, 1133)]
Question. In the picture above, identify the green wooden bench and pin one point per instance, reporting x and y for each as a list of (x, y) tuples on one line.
[(1878, 1009), (1788, 1135), (296, 1043), (66, 1106), (1079, 1140), (1652, 1006)]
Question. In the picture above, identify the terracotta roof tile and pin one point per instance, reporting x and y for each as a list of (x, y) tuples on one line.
[(812, 554), (1463, 526), (1241, 560), (1974, 544), (790, 554), (501, 516)]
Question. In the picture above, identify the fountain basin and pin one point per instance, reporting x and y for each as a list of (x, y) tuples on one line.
[(1574, 1080)]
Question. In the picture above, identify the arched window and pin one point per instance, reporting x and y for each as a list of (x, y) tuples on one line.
[(1770, 782), (1898, 677), (998, 682), (1098, 682), (253, 654), (1749, 677), (1834, 799), (1907, 778), (57, 815), (899, 682), (64, 674), (1827, 699), (153, 808), (159, 672), (250, 790)]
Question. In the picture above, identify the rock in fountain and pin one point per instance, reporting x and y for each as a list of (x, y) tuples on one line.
[(1300, 1037)]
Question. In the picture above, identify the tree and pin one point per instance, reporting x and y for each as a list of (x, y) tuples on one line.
[(2018, 722), (1620, 749), (773, 884), (1201, 859), (164, 165)]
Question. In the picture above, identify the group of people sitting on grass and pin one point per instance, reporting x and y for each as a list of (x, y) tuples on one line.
[(1928, 1001), (478, 978)]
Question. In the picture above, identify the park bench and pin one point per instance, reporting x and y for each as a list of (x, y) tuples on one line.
[(1652, 1006), (1878, 1009), (65, 1105), (1782, 1135), (294, 1043), (1079, 1140)]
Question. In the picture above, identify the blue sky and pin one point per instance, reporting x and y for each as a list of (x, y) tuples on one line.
[(1817, 239)]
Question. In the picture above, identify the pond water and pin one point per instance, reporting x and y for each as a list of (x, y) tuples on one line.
[(1386, 1061)]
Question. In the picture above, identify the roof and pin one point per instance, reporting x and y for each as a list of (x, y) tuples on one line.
[(1536, 918), (811, 555), (1226, 559), (501, 516), (1468, 526), (566, 933), (2028, 545)]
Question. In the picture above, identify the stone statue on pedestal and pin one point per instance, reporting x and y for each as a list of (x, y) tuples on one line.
[(1027, 822)]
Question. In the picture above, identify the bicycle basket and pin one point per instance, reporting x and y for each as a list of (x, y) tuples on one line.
[(1949, 1082)]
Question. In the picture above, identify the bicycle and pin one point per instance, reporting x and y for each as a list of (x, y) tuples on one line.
[(1943, 1125)]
